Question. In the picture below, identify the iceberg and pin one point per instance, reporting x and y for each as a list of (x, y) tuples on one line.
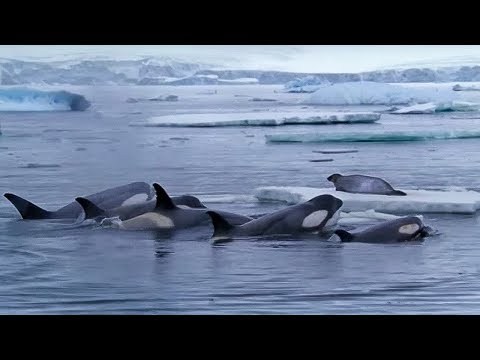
[(258, 119), (372, 93), (373, 136), (457, 106), (430, 108), (22, 99), (416, 201)]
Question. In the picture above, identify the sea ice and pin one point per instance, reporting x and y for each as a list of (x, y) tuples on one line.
[(416, 201)]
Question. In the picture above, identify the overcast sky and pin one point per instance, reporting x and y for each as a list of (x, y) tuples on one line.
[(301, 58)]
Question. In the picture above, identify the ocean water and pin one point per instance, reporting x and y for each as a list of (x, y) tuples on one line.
[(52, 267)]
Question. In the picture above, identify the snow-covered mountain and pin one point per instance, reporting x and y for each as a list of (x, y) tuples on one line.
[(157, 71)]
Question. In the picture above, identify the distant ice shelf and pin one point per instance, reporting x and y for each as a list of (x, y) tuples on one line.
[(258, 119), (416, 201)]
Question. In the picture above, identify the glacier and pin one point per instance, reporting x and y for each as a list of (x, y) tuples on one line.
[(373, 136), (172, 71), (265, 118), (416, 201), (23, 99)]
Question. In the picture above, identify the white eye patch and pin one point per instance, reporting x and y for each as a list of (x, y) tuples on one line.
[(314, 219), (408, 229)]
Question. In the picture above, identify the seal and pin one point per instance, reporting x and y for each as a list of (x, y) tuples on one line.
[(362, 184)]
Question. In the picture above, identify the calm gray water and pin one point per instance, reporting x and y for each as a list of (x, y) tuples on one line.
[(49, 267)]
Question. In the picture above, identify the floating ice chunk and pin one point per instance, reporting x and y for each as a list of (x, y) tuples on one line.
[(430, 108), (374, 136), (23, 99), (416, 201), (156, 98), (372, 93), (457, 106), (264, 118)]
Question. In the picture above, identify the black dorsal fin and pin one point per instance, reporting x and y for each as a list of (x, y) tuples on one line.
[(221, 226), (163, 199), (89, 208), (344, 235), (27, 209)]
